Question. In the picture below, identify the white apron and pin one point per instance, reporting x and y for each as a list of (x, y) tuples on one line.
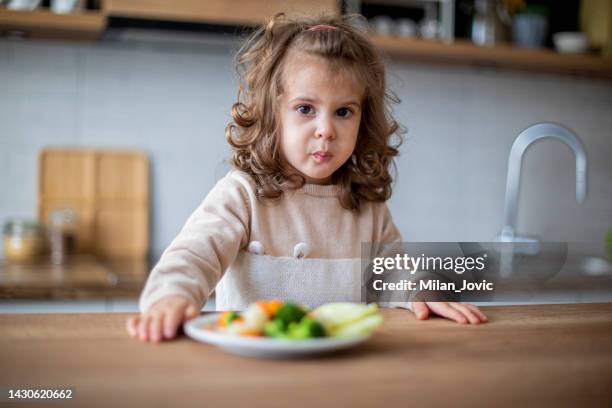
[(310, 282)]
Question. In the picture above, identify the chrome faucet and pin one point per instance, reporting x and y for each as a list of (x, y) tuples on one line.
[(522, 143)]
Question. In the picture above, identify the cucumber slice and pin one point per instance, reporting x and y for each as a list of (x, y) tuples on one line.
[(334, 316), (360, 328)]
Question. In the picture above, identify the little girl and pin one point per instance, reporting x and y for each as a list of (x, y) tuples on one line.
[(311, 139)]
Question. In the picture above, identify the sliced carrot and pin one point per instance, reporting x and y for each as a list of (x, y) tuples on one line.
[(263, 305), (251, 333), (273, 306), (222, 319), (270, 306)]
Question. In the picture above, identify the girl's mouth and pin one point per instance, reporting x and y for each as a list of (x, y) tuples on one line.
[(321, 157)]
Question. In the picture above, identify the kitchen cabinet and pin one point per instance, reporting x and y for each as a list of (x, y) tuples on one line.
[(537, 355)]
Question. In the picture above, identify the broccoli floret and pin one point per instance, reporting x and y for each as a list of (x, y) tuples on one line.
[(307, 328), (275, 328), (229, 317), (290, 313)]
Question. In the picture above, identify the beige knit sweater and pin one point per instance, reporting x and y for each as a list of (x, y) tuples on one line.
[(305, 248)]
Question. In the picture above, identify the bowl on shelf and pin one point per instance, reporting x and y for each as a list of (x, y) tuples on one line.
[(571, 42)]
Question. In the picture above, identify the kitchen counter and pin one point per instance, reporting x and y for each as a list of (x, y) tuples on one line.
[(90, 278), (537, 355), (83, 277)]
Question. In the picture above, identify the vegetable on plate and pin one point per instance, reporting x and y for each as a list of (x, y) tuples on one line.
[(291, 321)]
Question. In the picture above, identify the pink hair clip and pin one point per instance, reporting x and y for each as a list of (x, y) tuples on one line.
[(322, 27)]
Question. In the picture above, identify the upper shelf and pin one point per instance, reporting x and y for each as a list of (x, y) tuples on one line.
[(84, 25), (235, 12), (89, 25), (501, 56)]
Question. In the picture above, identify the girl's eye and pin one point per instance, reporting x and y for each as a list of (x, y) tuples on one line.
[(304, 109), (344, 112)]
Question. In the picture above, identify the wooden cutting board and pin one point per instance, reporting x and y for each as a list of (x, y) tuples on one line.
[(109, 192)]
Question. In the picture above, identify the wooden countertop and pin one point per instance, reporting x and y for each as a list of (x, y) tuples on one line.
[(542, 355)]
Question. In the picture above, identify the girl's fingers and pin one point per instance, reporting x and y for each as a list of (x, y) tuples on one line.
[(143, 327), (161, 320), (467, 313), (443, 309), (171, 322), (477, 311), (191, 311), (420, 310), (155, 327), (132, 326)]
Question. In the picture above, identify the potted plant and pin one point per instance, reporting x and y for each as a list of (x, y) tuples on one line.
[(530, 25)]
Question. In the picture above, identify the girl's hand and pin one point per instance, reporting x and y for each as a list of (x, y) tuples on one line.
[(459, 312), (162, 319)]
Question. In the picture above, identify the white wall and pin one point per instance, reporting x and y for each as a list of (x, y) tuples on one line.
[(173, 102)]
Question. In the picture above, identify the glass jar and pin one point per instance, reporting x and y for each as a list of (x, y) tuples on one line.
[(62, 234), (491, 22), (23, 240)]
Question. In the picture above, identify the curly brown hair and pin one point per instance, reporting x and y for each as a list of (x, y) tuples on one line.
[(253, 133)]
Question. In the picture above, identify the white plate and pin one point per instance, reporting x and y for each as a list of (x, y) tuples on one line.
[(264, 346)]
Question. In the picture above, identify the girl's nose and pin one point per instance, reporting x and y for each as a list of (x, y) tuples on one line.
[(325, 129)]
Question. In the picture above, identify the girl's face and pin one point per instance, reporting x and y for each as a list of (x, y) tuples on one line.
[(320, 115)]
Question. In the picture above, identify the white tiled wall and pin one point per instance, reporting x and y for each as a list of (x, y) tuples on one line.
[(173, 103), (462, 123)]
